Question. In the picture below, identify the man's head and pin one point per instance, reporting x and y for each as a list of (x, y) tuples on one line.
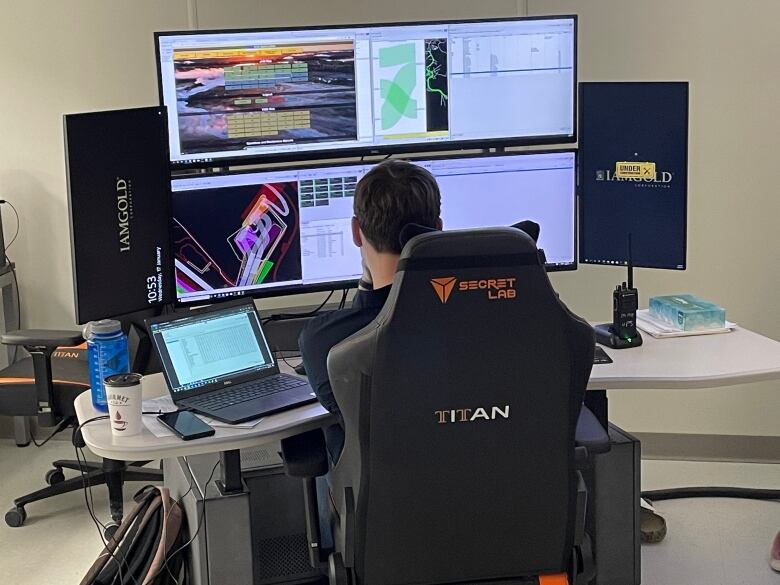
[(393, 194)]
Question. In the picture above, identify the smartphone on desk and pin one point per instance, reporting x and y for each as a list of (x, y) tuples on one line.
[(186, 425)]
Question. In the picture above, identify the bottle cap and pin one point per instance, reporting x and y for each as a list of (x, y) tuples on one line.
[(101, 327)]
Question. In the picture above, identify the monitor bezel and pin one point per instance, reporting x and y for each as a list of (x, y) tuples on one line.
[(224, 162), (294, 289)]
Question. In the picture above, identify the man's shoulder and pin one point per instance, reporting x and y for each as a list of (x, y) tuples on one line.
[(330, 328)]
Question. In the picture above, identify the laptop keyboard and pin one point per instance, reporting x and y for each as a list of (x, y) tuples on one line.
[(247, 391)]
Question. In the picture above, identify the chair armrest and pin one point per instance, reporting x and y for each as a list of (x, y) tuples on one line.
[(48, 338), (305, 455), (590, 434)]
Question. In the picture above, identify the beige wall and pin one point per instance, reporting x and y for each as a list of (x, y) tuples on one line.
[(63, 57), (243, 13), (729, 51)]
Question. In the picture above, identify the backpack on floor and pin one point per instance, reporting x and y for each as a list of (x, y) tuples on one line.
[(148, 548)]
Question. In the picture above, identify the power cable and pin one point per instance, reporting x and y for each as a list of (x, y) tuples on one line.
[(711, 492), (286, 316), (200, 520)]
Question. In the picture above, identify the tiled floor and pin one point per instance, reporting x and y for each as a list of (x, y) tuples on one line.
[(723, 542)]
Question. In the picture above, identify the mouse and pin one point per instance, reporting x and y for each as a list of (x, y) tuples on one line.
[(300, 369)]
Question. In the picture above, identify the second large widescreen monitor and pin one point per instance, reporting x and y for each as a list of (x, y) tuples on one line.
[(275, 94), (287, 231)]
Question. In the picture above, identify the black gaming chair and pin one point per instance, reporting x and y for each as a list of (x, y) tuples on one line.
[(45, 384), (460, 403)]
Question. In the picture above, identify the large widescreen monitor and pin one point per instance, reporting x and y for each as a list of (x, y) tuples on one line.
[(288, 231), (284, 93)]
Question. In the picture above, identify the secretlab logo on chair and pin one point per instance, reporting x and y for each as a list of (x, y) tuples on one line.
[(443, 287), (459, 415), (496, 288)]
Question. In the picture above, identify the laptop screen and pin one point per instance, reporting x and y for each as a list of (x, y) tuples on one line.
[(211, 347)]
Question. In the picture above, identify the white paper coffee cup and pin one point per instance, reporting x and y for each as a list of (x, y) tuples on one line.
[(123, 394)]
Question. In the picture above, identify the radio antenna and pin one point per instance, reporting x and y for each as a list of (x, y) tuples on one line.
[(630, 264)]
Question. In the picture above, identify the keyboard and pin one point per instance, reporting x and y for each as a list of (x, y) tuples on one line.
[(247, 391), (600, 356)]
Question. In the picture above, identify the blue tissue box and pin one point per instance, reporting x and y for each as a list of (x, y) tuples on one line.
[(687, 312)]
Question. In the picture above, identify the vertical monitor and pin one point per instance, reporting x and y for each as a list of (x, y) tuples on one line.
[(289, 231), (276, 94), (635, 123), (118, 194)]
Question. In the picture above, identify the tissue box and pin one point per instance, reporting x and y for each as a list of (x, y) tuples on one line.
[(687, 312)]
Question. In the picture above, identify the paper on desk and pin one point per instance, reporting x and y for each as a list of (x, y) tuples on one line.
[(159, 430), (159, 405), (155, 427), (219, 424), (648, 324)]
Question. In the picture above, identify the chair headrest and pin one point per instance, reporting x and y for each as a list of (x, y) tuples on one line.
[(473, 248), (414, 229)]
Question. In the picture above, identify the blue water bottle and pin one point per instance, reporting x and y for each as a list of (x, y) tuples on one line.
[(108, 355)]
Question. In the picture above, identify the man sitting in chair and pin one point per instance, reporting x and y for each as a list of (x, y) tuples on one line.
[(392, 195), (388, 198)]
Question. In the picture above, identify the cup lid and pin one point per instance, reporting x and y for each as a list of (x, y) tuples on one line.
[(123, 380)]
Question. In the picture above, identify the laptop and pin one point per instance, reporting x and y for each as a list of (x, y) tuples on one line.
[(217, 362)]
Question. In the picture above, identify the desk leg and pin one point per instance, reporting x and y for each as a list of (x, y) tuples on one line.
[(596, 401), (22, 430), (230, 475), (114, 473)]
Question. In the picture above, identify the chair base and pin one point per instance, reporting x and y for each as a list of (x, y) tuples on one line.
[(109, 472)]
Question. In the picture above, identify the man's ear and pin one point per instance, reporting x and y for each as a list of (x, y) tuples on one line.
[(357, 238)]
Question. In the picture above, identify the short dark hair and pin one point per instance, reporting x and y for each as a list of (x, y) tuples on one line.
[(390, 196)]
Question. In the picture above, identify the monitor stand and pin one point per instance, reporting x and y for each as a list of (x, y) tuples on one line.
[(143, 359)]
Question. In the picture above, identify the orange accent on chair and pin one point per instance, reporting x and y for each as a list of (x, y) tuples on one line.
[(443, 287), (32, 381)]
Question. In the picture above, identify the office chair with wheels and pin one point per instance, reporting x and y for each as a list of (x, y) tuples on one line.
[(460, 404), (44, 387)]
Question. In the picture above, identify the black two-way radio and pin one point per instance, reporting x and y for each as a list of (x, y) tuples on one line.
[(622, 332)]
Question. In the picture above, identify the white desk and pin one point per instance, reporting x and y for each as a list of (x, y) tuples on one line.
[(704, 361), (145, 445), (685, 362)]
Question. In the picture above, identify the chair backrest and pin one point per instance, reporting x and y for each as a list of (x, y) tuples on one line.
[(460, 403)]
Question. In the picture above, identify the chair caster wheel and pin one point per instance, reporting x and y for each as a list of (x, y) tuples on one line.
[(15, 517), (110, 530), (54, 476)]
